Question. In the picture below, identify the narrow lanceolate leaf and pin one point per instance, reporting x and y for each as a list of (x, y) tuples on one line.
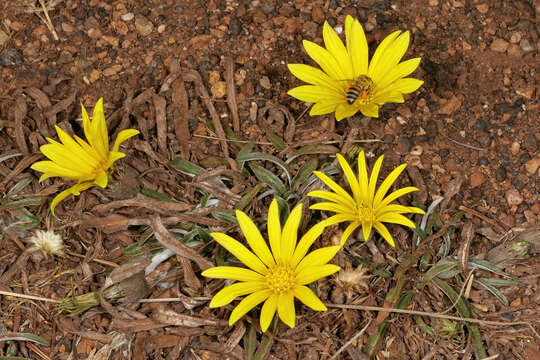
[(304, 172), (187, 167), (312, 149), (7, 336), (492, 289), (442, 267), (486, 265), (247, 199), (266, 157), (270, 178)]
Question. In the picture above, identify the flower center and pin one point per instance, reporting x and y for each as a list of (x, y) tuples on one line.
[(360, 91), (280, 278), (366, 214)]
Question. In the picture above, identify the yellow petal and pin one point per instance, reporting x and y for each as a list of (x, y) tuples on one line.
[(113, 156), (102, 179), (240, 252), (370, 110), (396, 219), (400, 71), (406, 85), (316, 93), (318, 257), (345, 110), (52, 169), (247, 304), (373, 179), (326, 61), (348, 231), (331, 196), (363, 177), (379, 53), (384, 233), (351, 179), (268, 311), (254, 238), (366, 229), (305, 295), (306, 241), (322, 108), (123, 136), (337, 208), (290, 233), (314, 76), (274, 230), (338, 218), (385, 186), (391, 57), (95, 130), (388, 96), (335, 47), (400, 209), (357, 46), (231, 292), (332, 185), (285, 309), (311, 274), (74, 149), (74, 190), (233, 273), (393, 196)]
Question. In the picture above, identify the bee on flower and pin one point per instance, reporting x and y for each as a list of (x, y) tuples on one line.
[(347, 81), (88, 162), (275, 275)]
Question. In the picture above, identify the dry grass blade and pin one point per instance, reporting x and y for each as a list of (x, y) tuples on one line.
[(160, 207), (167, 240), (181, 115), (19, 113), (47, 19), (170, 317), (467, 234), (231, 92), (194, 76), (161, 122)]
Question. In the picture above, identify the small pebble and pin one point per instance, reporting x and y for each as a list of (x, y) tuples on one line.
[(532, 165), (477, 179), (483, 161), (265, 82), (433, 2), (161, 28), (513, 197), (417, 150), (515, 38), (482, 8), (514, 148), (525, 45), (127, 17), (500, 174), (143, 25), (3, 38), (499, 45)]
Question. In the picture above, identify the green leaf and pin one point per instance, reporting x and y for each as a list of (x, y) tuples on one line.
[(266, 157), (269, 178), (31, 201), (463, 310), (7, 336), (313, 149), (492, 289), (18, 187), (486, 265), (187, 167), (442, 269), (156, 195), (246, 149), (225, 216), (423, 326), (246, 200), (305, 171), (277, 141)]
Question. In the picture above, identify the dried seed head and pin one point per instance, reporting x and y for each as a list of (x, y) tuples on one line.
[(47, 242), (353, 280)]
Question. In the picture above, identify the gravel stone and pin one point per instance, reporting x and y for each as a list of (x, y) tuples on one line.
[(499, 45)]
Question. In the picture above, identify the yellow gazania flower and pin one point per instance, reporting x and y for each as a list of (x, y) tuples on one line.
[(276, 275), (89, 162), (348, 83), (366, 207)]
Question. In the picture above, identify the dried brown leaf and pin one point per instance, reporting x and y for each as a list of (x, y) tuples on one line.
[(161, 122), (231, 92), (19, 112), (467, 234), (171, 317), (166, 239)]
